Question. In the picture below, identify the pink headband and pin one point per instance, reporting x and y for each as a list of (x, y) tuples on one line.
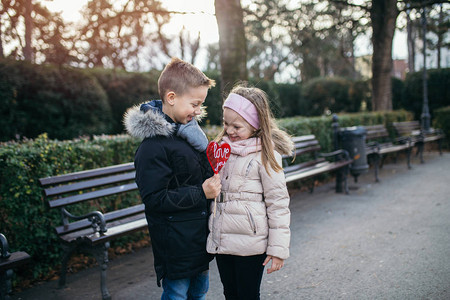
[(243, 107)]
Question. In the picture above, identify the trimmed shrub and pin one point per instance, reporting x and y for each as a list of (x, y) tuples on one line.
[(64, 102), (398, 88), (125, 89), (442, 121), (438, 91), (321, 127), (213, 101), (24, 216), (326, 95)]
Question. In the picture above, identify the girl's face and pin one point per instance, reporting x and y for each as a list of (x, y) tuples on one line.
[(235, 126)]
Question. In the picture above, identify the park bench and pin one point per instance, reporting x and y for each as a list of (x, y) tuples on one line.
[(309, 162), (8, 261), (92, 231), (419, 137), (379, 143)]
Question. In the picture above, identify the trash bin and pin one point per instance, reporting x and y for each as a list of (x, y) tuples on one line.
[(353, 139)]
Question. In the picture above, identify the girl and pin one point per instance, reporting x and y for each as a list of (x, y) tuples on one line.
[(250, 224)]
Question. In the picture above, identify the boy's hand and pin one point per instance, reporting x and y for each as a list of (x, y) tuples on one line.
[(211, 186), (277, 263)]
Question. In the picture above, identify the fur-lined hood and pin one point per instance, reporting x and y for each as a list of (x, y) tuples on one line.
[(147, 120)]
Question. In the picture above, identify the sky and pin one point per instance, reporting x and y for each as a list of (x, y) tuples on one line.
[(203, 20)]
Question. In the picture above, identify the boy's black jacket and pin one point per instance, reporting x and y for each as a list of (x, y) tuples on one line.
[(169, 175)]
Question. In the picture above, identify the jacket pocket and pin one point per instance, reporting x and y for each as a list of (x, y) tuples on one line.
[(251, 219), (187, 234)]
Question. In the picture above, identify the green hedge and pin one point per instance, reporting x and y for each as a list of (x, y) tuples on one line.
[(124, 89), (334, 94), (438, 91), (321, 127), (65, 102), (442, 121), (24, 217)]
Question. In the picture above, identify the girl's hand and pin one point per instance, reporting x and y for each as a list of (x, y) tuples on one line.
[(277, 263)]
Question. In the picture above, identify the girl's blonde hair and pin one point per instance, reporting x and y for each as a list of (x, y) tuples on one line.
[(272, 138)]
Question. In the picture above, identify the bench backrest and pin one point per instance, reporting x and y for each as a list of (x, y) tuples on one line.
[(69, 189), (306, 148), (376, 132), (407, 128)]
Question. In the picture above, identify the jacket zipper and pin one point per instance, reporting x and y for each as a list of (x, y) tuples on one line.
[(250, 217)]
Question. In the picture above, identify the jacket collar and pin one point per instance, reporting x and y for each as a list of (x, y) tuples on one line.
[(148, 120)]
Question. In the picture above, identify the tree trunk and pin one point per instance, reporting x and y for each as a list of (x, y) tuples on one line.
[(383, 15), (232, 42), (440, 35), (2, 54), (411, 44), (27, 51)]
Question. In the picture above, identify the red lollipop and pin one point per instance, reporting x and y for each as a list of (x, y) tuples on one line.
[(217, 155)]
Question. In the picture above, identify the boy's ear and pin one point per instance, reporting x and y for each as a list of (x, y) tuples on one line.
[(170, 97)]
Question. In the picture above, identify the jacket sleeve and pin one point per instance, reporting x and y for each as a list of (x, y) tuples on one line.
[(276, 198), (154, 176)]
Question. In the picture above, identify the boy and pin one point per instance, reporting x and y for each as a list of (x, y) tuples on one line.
[(174, 179)]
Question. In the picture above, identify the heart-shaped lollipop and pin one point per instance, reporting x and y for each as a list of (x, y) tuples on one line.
[(217, 155)]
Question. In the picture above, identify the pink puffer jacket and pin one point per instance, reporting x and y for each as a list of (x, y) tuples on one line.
[(252, 215)]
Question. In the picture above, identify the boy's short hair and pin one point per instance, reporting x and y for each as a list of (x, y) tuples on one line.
[(178, 76)]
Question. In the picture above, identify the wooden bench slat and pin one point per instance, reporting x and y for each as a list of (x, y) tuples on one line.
[(393, 148), (316, 170), (110, 216), (86, 174), (307, 150), (121, 230), (78, 186), (16, 259), (92, 195), (311, 165), (302, 138), (295, 167)]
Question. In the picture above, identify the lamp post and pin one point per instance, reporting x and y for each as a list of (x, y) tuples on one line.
[(425, 109)]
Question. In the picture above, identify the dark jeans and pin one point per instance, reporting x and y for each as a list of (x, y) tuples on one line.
[(241, 275)]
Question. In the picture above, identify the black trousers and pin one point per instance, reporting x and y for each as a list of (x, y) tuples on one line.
[(241, 275)]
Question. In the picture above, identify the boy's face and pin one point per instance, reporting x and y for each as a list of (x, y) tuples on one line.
[(183, 108)]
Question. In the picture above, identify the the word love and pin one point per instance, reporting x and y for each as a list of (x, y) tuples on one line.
[(217, 155)]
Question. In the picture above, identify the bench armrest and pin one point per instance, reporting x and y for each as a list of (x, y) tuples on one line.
[(340, 152), (404, 140), (96, 218), (5, 247), (373, 144)]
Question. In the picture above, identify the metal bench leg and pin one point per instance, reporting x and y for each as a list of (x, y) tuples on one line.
[(408, 158), (345, 179), (68, 249), (101, 255), (376, 165), (5, 284), (382, 158), (440, 146), (339, 178), (420, 151)]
